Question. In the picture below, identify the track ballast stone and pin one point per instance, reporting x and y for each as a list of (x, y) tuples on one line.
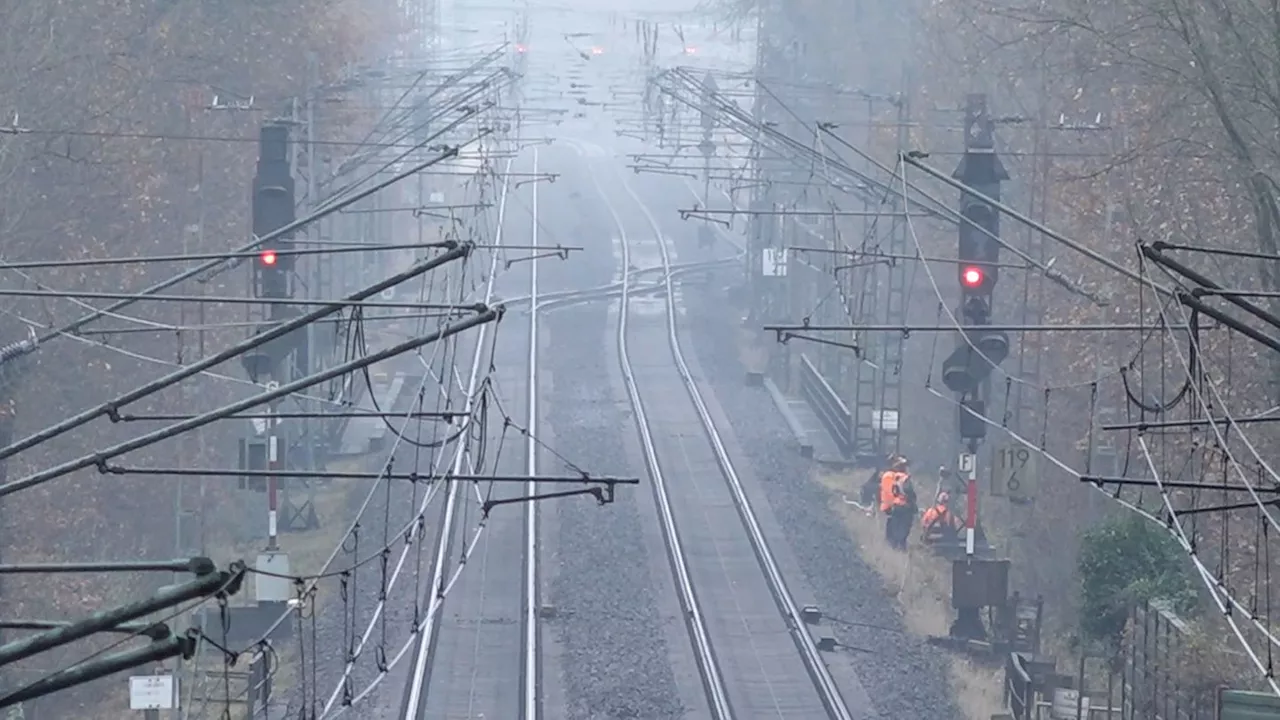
[(614, 658), (903, 675)]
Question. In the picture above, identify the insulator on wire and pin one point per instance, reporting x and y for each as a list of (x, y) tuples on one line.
[(19, 348)]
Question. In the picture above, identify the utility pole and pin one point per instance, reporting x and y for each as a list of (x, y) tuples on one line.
[(273, 208), (979, 349)]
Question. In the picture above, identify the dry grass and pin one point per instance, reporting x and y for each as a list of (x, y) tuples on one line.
[(920, 583)]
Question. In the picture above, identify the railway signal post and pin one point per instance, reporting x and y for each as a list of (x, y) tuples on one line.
[(980, 348), (274, 199)]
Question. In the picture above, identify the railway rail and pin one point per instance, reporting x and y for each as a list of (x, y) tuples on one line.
[(529, 667), (414, 703), (713, 677)]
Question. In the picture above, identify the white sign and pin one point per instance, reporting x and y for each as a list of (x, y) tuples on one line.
[(273, 385), (437, 198), (153, 692), (968, 462), (774, 262), (388, 294), (886, 420), (1014, 474), (1066, 702)]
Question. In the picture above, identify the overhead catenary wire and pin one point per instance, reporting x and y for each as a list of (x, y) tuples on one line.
[(59, 331), (951, 317), (449, 81), (222, 300), (132, 355), (241, 325), (1197, 379), (149, 259), (456, 104), (285, 231), (440, 582), (432, 488), (1034, 225), (113, 406), (96, 458), (1228, 605), (1222, 596)]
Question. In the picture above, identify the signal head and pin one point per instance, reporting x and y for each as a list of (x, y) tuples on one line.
[(994, 346)]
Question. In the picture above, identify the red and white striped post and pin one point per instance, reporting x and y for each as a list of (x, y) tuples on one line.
[(969, 467), (273, 485)]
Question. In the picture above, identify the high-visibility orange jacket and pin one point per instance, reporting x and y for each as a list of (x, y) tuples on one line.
[(891, 494), (939, 516)]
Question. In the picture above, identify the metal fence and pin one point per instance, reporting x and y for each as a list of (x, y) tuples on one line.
[(1158, 682), (1158, 675)]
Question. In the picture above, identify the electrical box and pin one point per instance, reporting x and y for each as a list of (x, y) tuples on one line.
[(1246, 705), (979, 583)]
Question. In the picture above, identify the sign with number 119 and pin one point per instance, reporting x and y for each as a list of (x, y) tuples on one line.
[(1014, 474)]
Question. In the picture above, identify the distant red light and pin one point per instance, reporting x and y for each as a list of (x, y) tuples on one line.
[(691, 50), (269, 257), (521, 49), (597, 51), (971, 277)]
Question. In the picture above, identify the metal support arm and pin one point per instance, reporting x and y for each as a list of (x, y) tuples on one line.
[(195, 565), (104, 666), (204, 586)]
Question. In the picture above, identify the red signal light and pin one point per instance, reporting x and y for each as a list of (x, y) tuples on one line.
[(597, 50), (269, 257), (520, 48), (972, 277)]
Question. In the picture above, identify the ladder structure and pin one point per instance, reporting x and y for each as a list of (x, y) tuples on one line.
[(1030, 349), (876, 382)]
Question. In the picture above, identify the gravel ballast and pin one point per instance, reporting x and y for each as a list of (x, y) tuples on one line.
[(608, 619), (613, 656)]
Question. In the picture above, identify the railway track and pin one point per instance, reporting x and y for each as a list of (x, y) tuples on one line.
[(529, 667), (716, 684), (414, 705)]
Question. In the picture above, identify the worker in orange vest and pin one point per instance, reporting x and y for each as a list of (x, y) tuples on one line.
[(869, 495), (939, 523), (897, 502)]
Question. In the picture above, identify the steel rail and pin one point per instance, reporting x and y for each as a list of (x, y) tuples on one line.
[(569, 298), (529, 670), (695, 622), (420, 671), (823, 682)]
